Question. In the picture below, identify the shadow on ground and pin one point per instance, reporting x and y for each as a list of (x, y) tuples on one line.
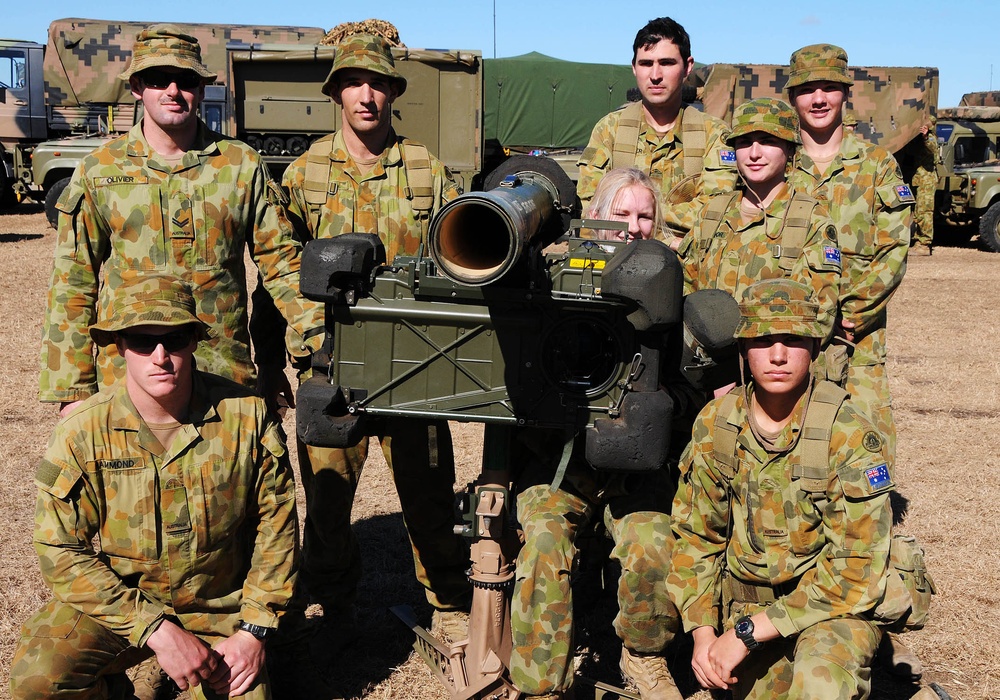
[(298, 670)]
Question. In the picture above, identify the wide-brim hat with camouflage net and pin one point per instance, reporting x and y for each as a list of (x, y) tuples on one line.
[(149, 300), (166, 46), (367, 52), (818, 62), (768, 115), (778, 306)]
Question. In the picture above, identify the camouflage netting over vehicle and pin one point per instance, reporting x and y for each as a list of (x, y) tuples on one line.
[(987, 98), (83, 53), (891, 104), (378, 27), (973, 112)]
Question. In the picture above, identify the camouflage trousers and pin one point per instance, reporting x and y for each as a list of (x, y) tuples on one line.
[(924, 184), (420, 457), (868, 385), (636, 514), (66, 654), (831, 659)]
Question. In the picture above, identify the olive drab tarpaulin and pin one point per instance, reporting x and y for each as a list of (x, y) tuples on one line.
[(84, 57), (891, 103), (539, 101)]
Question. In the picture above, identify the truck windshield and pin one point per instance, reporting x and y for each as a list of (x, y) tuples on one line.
[(974, 149)]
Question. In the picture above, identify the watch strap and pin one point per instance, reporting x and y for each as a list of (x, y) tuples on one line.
[(258, 631)]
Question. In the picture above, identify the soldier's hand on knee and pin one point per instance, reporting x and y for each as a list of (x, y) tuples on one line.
[(725, 654), (242, 658), (182, 656), (701, 664)]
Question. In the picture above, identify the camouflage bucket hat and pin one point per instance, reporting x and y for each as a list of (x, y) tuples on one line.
[(149, 300), (166, 46), (768, 115), (778, 306), (368, 52), (818, 62)]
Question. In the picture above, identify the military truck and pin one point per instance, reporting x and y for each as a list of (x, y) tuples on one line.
[(267, 93), (68, 91), (968, 193)]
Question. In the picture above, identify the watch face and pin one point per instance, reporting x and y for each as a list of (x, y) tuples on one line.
[(743, 626)]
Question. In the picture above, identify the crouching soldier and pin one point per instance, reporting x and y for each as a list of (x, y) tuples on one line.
[(184, 481), (782, 520)]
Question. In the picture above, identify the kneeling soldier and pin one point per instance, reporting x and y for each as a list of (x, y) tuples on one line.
[(184, 481), (782, 520)]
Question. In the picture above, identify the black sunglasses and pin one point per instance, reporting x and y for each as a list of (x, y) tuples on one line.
[(160, 80), (145, 343)]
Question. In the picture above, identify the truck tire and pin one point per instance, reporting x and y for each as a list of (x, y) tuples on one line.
[(989, 227), (52, 198)]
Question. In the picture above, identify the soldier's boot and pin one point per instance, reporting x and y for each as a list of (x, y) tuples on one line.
[(650, 674), (898, 659), (450, 625), (150, 681)]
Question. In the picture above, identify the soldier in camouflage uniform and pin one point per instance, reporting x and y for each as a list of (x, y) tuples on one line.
[(782, 520), (925, 179), (183, 479), (173, 197), (367, 179), (681, 149), (762, 230), (870, 205), (862, 188)]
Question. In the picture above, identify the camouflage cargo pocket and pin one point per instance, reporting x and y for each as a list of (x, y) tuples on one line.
[(906, 557)]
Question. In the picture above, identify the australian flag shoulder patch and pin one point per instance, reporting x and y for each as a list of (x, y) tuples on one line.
[(878, 477)]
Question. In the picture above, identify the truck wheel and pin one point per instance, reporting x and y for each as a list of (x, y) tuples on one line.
[(52, 198), (989, 227)]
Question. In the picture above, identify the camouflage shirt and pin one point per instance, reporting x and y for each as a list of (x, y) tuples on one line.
[(127, 212), (205, 531), (870, 206), (738, 254), (662, 158), (380, 201), (829, 548)]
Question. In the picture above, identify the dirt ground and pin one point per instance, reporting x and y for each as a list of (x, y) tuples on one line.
[(946, 383)]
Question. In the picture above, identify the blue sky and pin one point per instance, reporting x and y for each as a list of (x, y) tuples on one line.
[(957, 38)]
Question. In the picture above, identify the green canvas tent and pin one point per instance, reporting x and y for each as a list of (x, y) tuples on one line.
[(544, 102)]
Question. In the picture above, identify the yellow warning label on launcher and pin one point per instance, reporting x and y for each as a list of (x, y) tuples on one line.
[(583, 263)]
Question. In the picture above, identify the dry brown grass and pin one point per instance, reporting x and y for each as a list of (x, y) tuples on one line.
[(946, 384)]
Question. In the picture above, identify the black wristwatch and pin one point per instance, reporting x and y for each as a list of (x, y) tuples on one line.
[(744, 631), (257, 631)]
